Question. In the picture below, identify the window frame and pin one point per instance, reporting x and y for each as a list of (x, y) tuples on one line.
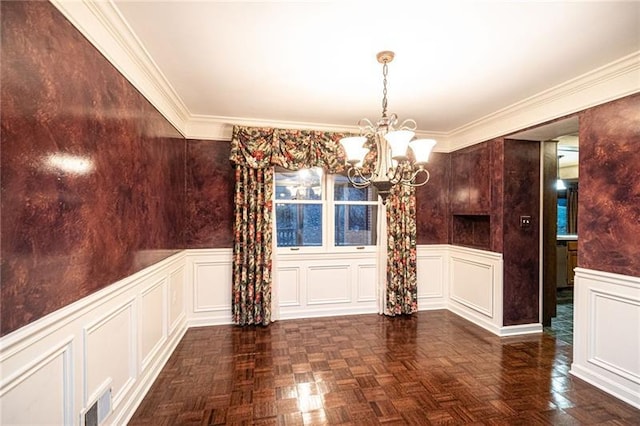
[(328, 220)]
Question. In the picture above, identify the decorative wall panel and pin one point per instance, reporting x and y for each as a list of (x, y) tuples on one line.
[(431, 269), (606, 332), (153, 320), (110, 352), (176, 298), (328, 284), (289, 286), (23, 397)]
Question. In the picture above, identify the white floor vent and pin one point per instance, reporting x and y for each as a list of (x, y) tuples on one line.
[(97, 412)]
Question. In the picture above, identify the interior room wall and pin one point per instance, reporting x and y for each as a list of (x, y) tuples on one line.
[(609, 207), (210, 180), (92, 174), (521, 251), (432, 202)]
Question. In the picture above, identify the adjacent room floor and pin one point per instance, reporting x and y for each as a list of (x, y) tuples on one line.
[(562, 324), (431, 368)]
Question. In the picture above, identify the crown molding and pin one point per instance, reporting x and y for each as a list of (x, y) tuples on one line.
[(220, 128), (104, 26), (207, 127), (615, 80)]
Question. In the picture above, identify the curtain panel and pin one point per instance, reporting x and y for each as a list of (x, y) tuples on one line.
[(402, 281), (252, 247)]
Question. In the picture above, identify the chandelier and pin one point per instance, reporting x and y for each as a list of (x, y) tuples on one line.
[(394, 164)]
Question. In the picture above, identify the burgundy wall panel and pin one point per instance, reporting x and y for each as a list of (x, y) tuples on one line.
[(471, 179), (92, 175), (497, 174), (521, 251), (432, 202), (609, 203), (210, 187)]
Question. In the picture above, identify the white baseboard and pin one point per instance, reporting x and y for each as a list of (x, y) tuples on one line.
[(623, 393), (518, 330)]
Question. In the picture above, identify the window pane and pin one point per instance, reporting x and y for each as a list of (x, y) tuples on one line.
[(305, 184), (344, 191), (299, 225), (356, 225)]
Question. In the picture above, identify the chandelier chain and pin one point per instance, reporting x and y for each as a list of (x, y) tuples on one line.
[(384, 89)]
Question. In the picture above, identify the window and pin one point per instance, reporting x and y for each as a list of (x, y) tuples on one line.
[(355, 213), (313, 209), (299, 208)]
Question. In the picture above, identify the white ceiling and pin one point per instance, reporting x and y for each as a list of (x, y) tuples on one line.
[(314, 62)]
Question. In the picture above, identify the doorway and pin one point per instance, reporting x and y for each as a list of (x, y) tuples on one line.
[(558, 240)]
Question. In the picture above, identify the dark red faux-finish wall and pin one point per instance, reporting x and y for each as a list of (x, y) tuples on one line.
[(609, 200), (432, 202), (93, 177), (210, 185), (521, 252)]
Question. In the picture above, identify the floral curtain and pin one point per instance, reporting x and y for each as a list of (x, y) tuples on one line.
[(255, 151), (251, 292), (252, 246), (302, 149), (402, 287)]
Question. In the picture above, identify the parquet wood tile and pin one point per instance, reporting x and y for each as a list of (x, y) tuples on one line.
[(431, 368)]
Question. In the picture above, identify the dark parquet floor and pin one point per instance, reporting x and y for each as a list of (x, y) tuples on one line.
[(431, 368)]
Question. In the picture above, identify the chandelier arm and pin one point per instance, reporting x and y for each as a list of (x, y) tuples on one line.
[(414, 181), (366, 127), (409, 124), (395, 174), (357, 178)]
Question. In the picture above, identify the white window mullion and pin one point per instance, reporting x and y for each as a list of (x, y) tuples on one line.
[(329, 212)]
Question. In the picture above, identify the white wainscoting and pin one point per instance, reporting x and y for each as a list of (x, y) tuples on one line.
[(209, 273), (475, 286), (118, 338), (433, 272), (309, 285), (606, 343), (323, 284)]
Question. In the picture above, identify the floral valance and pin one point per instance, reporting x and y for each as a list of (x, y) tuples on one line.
[(261, 147)]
